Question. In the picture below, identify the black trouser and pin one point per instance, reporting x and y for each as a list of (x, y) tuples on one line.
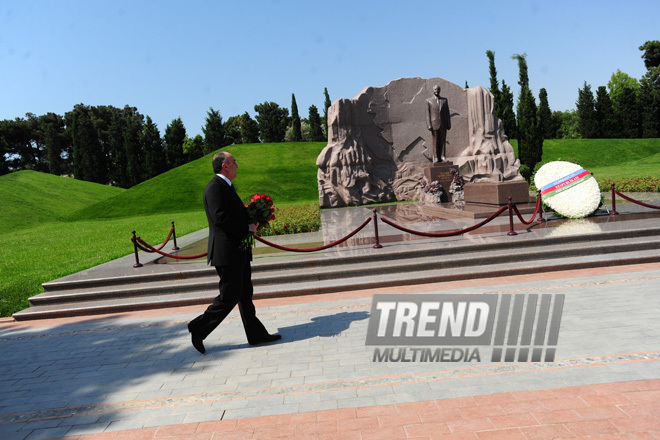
[(235, 288)]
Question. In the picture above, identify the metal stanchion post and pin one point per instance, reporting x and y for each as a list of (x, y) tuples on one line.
[(175, 248), (613, 212), (137, 261), (377, 245), (540, 218), (511, 231)]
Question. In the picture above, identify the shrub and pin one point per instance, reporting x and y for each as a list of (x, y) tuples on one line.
[(637, 184), (293, 219)]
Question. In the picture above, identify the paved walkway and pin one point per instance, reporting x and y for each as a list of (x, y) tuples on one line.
[(135, 375)]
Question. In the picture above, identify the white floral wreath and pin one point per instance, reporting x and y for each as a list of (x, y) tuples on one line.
[(568, 189)]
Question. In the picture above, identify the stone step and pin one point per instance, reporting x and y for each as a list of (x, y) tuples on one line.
[(339, 284), (313, 274)]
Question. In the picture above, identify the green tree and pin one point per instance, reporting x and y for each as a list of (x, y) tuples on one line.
[(193, 148), (296, 131), (508, 116), (214, 132), (530, 141), (650, 90), (249, 129), (586, 112), (118, 173), (272, 121), (155, 160), (628, 113), (315, 129), (233, 130), (175, 133), (326, 105), (57, 143), (651, 55), (133, 122), (494, 85), (605, 120), (545, 116), (568, 122), (88, 158)]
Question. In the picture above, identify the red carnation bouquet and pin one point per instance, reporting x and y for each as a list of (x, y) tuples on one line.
[(260, 212)]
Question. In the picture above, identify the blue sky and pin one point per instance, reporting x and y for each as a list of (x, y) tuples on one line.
[(177, 59)]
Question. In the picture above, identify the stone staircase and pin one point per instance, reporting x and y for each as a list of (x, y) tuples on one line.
[(411, 262)]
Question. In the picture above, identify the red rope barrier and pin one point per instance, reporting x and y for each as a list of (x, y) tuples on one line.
[(320, 248), (536, 211), (445, 234), (636, 201), (165, 254)]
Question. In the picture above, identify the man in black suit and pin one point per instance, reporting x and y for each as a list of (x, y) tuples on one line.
[(228, 225)]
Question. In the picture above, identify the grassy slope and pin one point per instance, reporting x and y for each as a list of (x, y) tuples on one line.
[(607, 158), (30, 198), (286, 171)]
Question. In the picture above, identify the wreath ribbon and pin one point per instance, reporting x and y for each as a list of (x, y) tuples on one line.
[(561, 185)]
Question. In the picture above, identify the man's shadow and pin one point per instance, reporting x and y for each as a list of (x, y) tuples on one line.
[(325, 326)]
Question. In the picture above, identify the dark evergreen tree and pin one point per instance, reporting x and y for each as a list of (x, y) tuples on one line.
[(272, 121), (233, 130), (650, 90), (214, 132), (586, 112), (175, 133), (494, 85), (296, 130), (118, 173), (629, 115), (315, 129), (605, 120), (544, 116), (326, 105), (249, 129), (56, 142), (133, 122), (508, 116), (155, 159), (530, 141), (88, 158)]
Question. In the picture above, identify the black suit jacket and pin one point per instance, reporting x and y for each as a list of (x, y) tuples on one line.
[(228, 224)]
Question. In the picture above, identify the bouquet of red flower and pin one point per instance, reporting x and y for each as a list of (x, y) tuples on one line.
[(260, 212)]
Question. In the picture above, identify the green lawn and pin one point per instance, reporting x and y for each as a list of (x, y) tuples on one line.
[(52, 226)]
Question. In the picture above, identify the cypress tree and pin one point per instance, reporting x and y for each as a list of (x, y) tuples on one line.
[(175, 134), (605, 120), (494, 85), (249, 129), (545, 116), (508, 116), (586, 112), (530, 141), (214, 131), (296, 130), (315, 129)]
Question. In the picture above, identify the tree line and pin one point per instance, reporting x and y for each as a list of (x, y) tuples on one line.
[(122, 147), (626, 108)]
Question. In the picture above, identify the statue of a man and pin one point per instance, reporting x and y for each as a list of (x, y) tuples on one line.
[(438, 121)]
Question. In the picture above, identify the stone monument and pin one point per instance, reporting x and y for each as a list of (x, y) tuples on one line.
[(380, 146)]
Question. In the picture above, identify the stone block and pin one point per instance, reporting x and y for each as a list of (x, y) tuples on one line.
[(497, 193)]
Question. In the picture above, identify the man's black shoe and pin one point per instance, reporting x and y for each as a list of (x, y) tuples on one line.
[(197, 341), (267, 338)]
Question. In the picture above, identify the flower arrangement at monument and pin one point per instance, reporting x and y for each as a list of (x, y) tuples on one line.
[(432, 192), (568, 189), (260, 212)]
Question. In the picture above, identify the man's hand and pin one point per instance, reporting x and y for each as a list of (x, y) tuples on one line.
[(252, 227)]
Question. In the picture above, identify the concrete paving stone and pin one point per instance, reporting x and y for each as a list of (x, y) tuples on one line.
[(356, 402), (172, 419), (90, 429), (287, 382), (286, 408), (125, 424), (48, 433)]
